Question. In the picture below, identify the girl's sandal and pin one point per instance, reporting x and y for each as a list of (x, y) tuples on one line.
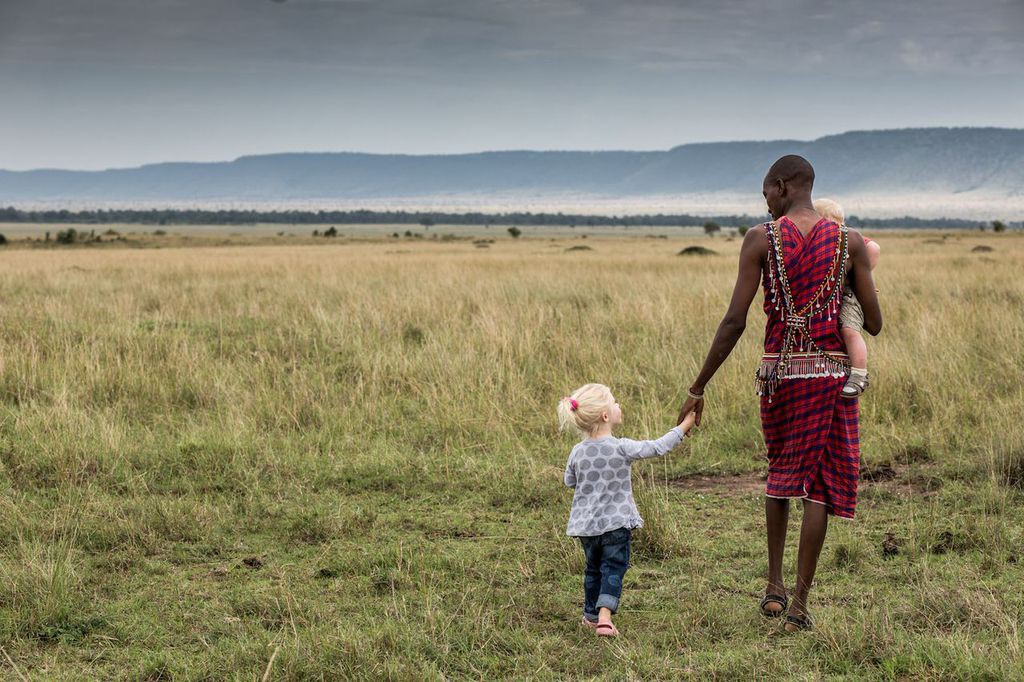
[(855, 386), (606, 630), (770, 598), (797, 623), (589, 623)]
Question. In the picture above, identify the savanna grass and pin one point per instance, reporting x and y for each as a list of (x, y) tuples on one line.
[(340, 461)]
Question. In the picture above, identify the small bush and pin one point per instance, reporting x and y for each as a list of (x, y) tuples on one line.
[(697, 251), (68, 236), (847, 557), (3, 239), (412, 334), (515, 232), (332, 231), (159, 233)]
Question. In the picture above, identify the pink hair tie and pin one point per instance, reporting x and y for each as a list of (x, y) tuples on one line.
[(572, 403)]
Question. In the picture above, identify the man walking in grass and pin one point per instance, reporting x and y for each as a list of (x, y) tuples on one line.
[(802, 261)]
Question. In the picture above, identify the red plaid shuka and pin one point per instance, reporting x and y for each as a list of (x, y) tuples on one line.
[(811, 433)]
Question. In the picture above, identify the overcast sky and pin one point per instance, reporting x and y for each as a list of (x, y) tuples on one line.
[(107, 83)]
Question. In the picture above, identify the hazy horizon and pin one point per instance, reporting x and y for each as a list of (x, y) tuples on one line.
[(118, 83), (479, 151)]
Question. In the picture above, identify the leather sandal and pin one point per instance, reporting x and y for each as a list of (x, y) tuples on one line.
[(855, 386), (770, 598), (797, 623)]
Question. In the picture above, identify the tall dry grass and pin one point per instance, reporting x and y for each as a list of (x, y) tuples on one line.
[(373, 424)]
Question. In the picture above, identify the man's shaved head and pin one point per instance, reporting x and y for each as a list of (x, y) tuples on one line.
[(788, 184), (792, 170)]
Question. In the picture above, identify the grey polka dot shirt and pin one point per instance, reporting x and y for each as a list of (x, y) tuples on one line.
[(599, 470)]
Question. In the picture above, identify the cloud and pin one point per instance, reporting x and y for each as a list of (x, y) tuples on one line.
[(435, 75), (453, 36)]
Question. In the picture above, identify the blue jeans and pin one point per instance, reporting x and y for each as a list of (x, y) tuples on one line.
[(607, 560)]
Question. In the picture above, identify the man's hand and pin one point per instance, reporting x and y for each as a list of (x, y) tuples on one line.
[(687, 424), (695, 405)]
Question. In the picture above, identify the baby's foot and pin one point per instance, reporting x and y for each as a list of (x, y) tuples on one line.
[(856, 384)]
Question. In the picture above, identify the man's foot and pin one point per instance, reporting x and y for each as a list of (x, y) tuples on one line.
[(773, 605), (606, 629), (798, 623)]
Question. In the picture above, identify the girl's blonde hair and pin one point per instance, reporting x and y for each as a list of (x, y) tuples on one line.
[(830, 209), (582, 410)]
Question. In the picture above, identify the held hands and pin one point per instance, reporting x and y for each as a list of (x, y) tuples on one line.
[(688, 421), (692, 406)]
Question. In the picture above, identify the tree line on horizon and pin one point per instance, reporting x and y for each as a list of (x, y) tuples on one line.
[(428, 219)]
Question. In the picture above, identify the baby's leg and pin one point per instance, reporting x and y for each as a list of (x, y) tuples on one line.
[(874, 251), (855, 347)]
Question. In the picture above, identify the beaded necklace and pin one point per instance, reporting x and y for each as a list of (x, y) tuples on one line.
[(814, 360)]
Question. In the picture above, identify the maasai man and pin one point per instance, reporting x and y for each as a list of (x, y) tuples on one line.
[(800, 260)]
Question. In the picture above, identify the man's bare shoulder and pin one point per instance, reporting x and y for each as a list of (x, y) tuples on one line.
[(856, 240), (756, 239)]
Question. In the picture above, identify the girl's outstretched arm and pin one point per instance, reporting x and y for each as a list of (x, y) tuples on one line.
[(632, 450)]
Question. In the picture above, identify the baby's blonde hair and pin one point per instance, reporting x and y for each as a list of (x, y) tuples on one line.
[(582, 410), (830, 209)]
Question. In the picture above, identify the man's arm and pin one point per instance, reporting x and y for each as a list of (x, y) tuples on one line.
[(864, 283), (752, 255)]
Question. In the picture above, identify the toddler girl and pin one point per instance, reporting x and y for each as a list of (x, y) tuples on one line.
[(851, 316), (603, 510)]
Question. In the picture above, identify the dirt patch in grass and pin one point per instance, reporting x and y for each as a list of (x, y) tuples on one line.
[(912, 454), (726, 486), (921, 481), (895, 478), (878, 473)]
